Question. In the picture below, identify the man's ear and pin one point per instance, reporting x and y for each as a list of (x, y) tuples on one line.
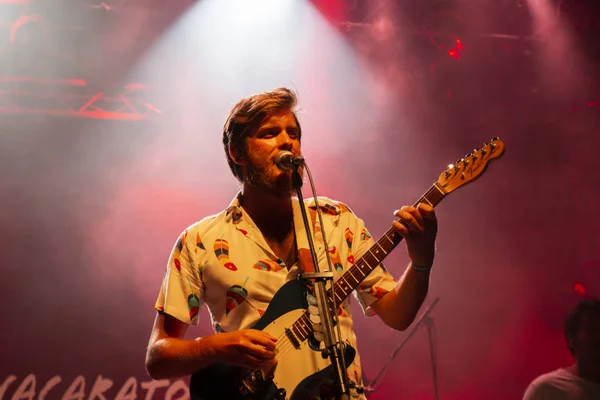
[(571, 344), (236, 156)]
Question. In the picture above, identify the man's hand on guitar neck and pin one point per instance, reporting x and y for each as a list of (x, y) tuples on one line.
[(398, 308), (418, 226)]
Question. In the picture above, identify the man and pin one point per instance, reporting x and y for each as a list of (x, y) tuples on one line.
[(237, 260), (580, 381)]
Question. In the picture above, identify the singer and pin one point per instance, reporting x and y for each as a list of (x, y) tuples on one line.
[(236, 261)]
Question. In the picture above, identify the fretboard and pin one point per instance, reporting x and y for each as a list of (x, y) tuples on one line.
[(364, 265)]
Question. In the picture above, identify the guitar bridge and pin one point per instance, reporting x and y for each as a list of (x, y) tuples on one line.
[(292, 338)]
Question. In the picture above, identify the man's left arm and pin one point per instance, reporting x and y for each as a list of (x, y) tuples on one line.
[(399, 307)]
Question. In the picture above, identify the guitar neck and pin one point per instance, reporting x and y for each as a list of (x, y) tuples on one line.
[(466, 170), (364, 265), (374, 256)]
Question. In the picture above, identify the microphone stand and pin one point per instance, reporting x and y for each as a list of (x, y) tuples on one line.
[(332, 347), (428, 322), (432, 354)]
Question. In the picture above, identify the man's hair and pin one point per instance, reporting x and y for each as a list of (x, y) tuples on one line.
[(246, 116), (573, 321)]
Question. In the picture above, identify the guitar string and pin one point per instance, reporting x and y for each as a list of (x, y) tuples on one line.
[(284, 345)]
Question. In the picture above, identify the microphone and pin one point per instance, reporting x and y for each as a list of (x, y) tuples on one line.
[(286, 161)]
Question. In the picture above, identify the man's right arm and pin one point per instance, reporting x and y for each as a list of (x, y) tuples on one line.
[(170, 355)]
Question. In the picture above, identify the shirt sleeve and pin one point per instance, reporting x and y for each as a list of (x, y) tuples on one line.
[(182, 292), (379, 282)]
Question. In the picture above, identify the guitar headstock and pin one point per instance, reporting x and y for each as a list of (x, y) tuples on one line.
[(471, 167)]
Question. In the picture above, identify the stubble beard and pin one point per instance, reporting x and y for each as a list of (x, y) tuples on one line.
[(261, 176)]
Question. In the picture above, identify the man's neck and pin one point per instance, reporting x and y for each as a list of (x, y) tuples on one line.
[(587, 374), (272, 213)]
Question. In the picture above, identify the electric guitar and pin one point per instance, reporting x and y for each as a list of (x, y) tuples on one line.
[(298, 371)]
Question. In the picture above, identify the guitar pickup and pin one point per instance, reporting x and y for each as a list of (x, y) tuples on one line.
[(292, 338)]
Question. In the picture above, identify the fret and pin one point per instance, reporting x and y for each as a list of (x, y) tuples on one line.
[(295, 331), (388, 238), (342, 291), (338, 297), (352, 271), (382, 249), (373, 255), (362, 268), (438, 189), (303, 330), (353, 277), (344, 279), (307, 325), (305, 318)]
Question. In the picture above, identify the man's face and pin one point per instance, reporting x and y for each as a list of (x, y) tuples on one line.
[(587, 342), (278, 131)]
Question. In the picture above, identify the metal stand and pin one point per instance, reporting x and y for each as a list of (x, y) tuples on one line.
[(428, 322), (333, 349), (432, 353)]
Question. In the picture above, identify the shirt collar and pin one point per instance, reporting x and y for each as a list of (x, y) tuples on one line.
[(236, 215), (234, 212)]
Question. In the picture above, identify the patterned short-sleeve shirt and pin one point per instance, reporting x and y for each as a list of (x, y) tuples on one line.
[(223, 261)]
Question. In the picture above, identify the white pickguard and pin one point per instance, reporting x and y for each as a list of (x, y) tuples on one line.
[(293, 364)]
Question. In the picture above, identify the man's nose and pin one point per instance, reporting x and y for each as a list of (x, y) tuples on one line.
[(285, 141)]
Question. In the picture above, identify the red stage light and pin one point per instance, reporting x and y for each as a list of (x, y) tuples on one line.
[(455, 52), (579, 289)]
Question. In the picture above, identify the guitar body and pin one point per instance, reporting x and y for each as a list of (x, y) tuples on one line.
[(299, 371)]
